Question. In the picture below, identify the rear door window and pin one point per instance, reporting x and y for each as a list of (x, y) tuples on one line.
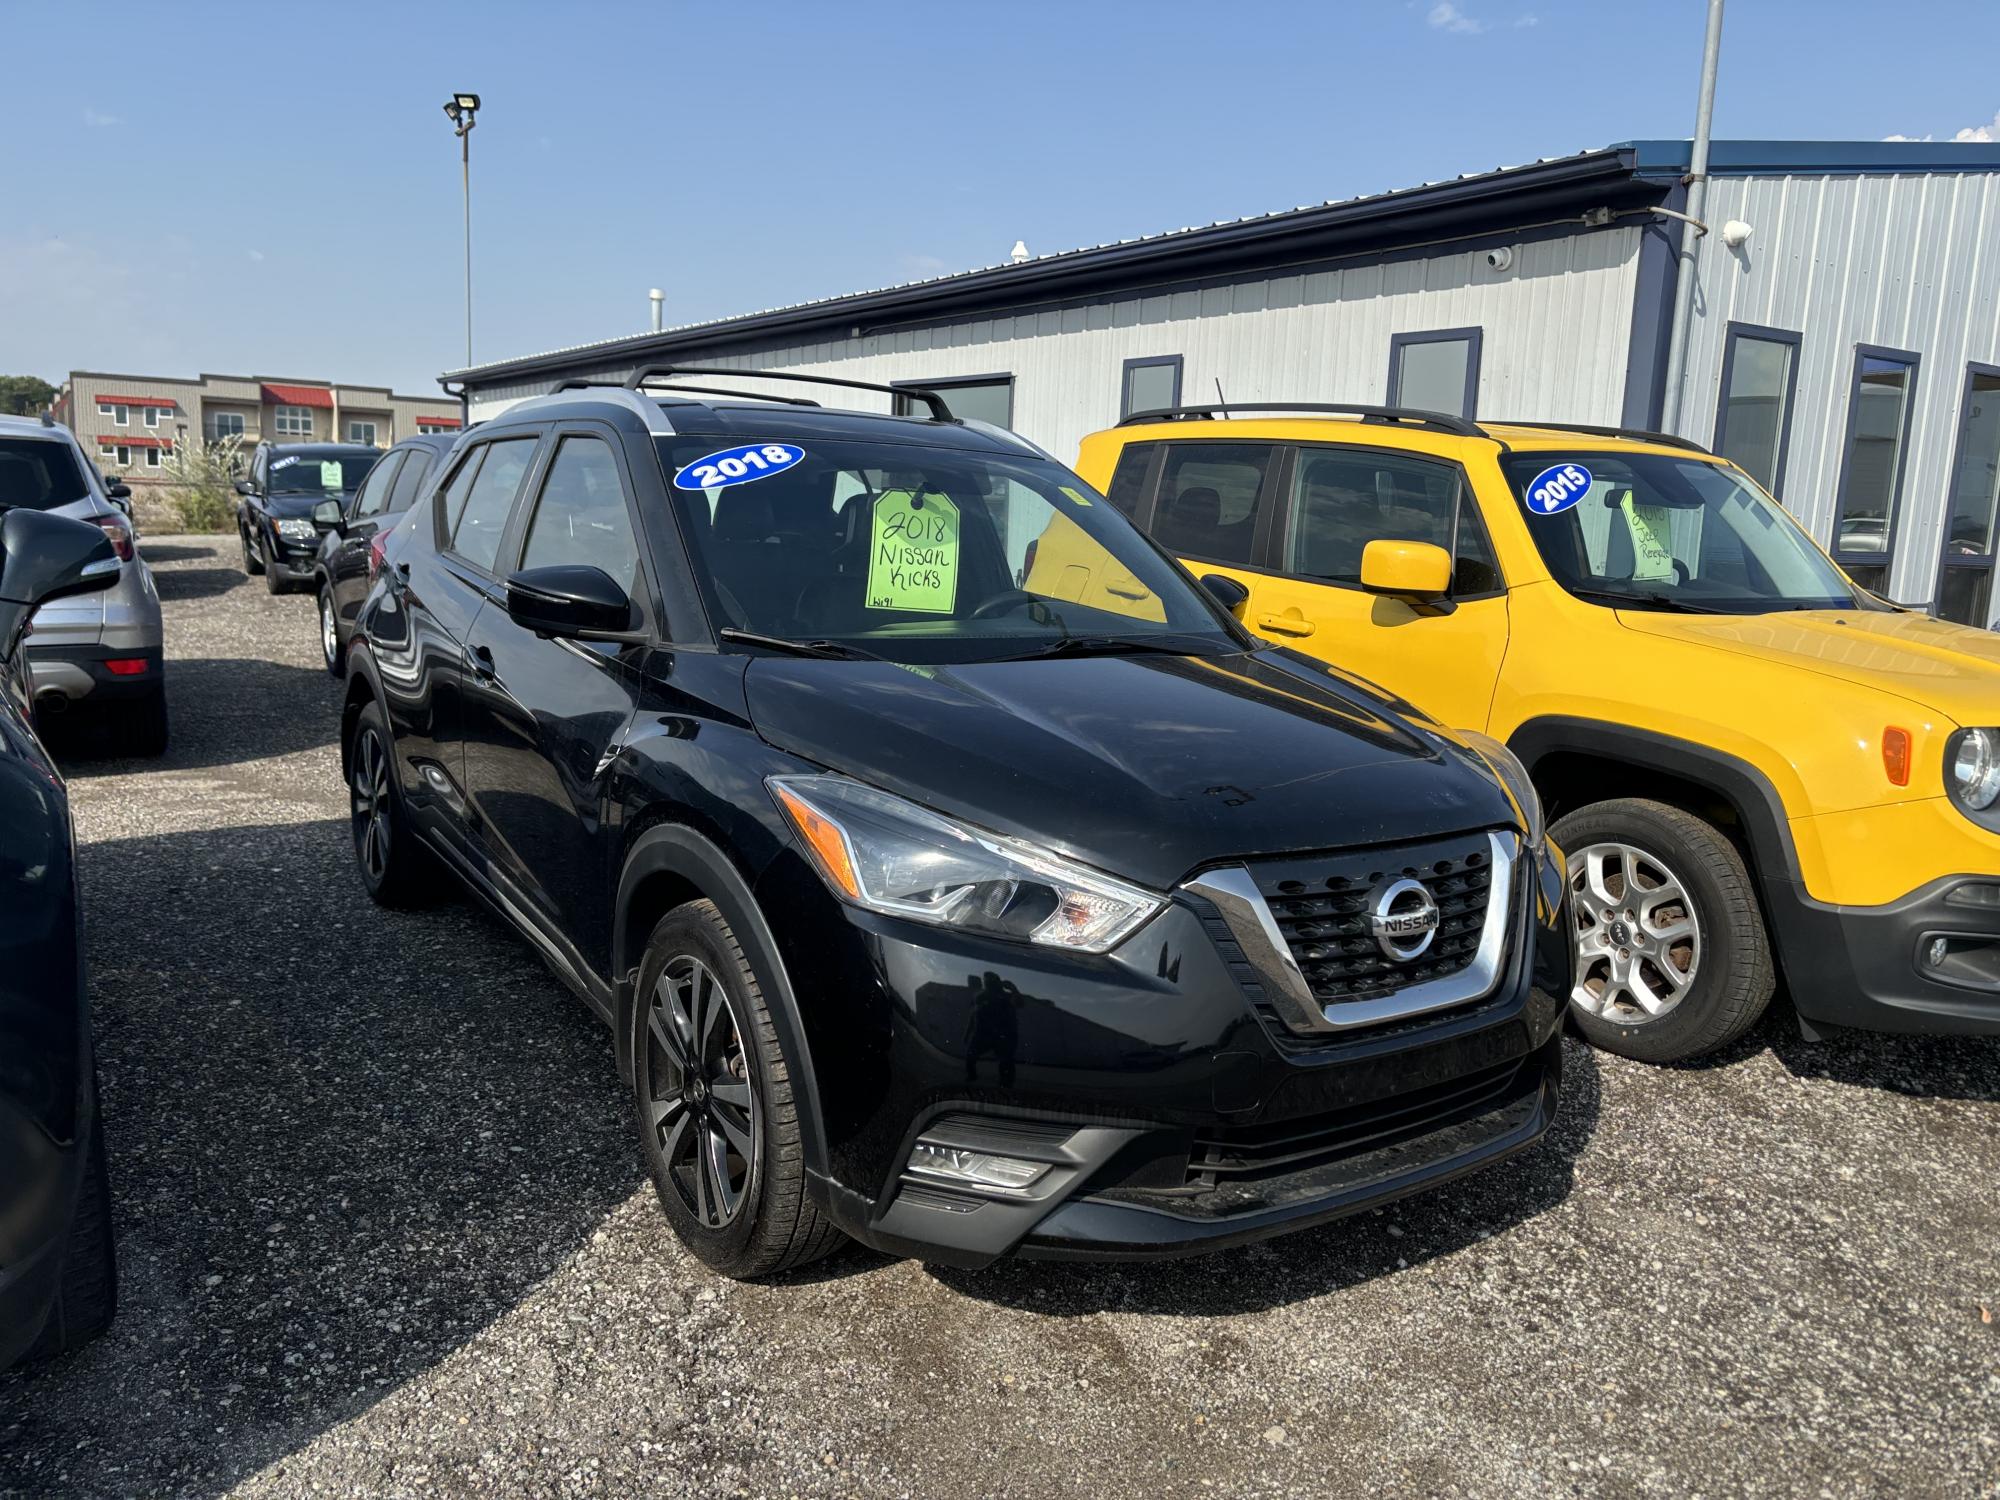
[(416, 468), (482, 519), (1210, 495), (39, 474), (375, 489)]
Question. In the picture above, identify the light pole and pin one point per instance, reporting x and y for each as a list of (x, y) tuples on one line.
[(1691, 236), (464, 112)]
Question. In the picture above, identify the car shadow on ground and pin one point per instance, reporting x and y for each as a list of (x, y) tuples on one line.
[(342, 1141), (214, 545), (1923, 1067), (179, 584), (223, 711), (1314, 1262)]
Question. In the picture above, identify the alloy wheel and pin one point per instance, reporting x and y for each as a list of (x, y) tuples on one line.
[(329, 629), (371, 805), (1637, 935), (701, 1107)]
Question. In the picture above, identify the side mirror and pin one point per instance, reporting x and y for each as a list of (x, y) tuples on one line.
[(44, 557), (570, 602), (1226, 591), (326, 515), (243, 487), (1408, 570), (118, 490)]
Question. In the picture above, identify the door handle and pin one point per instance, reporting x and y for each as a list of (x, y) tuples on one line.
[(1289, 623), (482, 664)]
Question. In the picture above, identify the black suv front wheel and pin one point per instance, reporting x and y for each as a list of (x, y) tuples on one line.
[(717, 1118)]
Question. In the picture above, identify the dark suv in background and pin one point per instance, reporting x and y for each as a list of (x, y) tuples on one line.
[(285, 483), (963, 919), (353, 531)]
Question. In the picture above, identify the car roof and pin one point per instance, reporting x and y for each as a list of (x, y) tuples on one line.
[(1411, 431), (35, 427), (328, 450)]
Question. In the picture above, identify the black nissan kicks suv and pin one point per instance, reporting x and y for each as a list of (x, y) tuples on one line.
[(932, 908)]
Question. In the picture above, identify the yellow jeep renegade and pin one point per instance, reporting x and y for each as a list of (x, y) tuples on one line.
[(1758, 770)]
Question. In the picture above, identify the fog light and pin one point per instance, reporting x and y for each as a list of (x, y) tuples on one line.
[(1940, 950), (1973, 895), (977, 1169)]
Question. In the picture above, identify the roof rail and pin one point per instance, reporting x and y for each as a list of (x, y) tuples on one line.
[(1436, 421), (579, 384), (1634, 434), (647, 373)]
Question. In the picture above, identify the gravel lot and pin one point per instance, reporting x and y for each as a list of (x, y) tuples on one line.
[(383, 1231)]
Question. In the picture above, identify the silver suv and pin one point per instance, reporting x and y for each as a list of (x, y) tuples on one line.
[(101, 648)]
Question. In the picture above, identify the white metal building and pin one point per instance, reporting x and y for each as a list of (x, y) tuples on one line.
[(1846, 353)]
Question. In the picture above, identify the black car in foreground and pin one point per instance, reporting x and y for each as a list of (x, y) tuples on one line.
[(274, 519), (58, 1277), (353, 532), (964, 919)]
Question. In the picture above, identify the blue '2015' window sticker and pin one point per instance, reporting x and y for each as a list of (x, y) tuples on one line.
[(738, 465), (1557, 488)]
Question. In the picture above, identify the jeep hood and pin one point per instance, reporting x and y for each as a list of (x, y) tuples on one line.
[(1146, 766), (1949, 669)]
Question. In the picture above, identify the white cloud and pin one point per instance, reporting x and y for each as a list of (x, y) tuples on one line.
[(98, 119), (1445, 16), (1521, 21), (1972, 135), (257, 255)]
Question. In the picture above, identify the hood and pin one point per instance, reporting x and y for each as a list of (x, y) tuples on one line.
[(1949, 669), (1145, 766), (300, 506)]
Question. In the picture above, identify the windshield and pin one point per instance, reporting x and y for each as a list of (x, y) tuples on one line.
[(301, 474), (1648, 531), (39, 474), (921, 554)]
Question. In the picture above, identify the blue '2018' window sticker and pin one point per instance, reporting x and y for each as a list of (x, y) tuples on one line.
[(1557, 488), (738, 465)]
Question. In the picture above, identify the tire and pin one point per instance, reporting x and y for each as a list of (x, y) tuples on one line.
[(147, 732), (329, 635), (273, 584), (694, 969), (252, 563), (1684, 969), (397, 870), (87, 1296)]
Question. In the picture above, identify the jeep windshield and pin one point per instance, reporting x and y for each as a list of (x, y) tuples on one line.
[(1649, 531), (39, 474), (925, 555)]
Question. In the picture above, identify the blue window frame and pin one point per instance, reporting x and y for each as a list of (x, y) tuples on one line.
[(1151, 384), (1874, 457), (1965, 573), (1753, 412), (1436, 371)]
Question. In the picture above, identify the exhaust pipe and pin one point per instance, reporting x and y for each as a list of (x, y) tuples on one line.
[(49, 702)]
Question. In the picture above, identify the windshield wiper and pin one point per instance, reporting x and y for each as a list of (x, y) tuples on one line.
[(1107, 645), (1651, 599), (830, 649)]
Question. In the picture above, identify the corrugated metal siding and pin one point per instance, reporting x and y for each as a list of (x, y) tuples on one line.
[(1555, 333), (1907, 262)]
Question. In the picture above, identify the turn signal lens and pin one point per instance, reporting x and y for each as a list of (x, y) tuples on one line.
[(828, 844), (1896, 755)]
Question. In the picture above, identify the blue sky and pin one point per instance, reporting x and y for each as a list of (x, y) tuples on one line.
[(245, 189)]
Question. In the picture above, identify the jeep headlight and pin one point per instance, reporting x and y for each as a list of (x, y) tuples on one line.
[(296, 530), (891, 856), (1972, 772), (1514, 777)]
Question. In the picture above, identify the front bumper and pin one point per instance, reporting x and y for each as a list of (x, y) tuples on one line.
[(293, 562), (1172, 1114)]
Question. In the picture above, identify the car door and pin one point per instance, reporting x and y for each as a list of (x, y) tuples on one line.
[(1331, 502), (347, 558), (545, 717), (422, 664)]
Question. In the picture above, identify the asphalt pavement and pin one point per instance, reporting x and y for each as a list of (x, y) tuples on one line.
[(383, 1231)]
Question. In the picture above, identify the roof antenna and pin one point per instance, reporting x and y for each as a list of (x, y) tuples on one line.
[(1221, 400)]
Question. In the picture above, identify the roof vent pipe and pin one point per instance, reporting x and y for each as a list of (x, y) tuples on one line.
[(659, 305), (1019, 253)]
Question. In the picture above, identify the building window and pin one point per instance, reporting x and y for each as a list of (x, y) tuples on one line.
[(1753, 422), (225, 424), (152, 458), (433, 427), (361, 432), (1871, 470), (1435, 371), (1965, 585), (979, 398), (1150, 385), (117, 454), (293, 421), (118, 411), (151, 415)]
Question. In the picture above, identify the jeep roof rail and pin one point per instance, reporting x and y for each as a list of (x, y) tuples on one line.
[(579, 383), (1634, 434), (649, 373), (1437, 421)]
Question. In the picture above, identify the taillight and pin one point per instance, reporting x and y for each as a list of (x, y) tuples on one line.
[(120, 534), (126, 666), (378, 545)]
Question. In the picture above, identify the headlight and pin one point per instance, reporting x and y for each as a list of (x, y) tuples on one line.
[(297, 530), (1514, 777), (888, 855), (1972, 771)]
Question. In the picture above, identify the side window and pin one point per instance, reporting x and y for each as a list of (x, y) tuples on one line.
[(460, 487), (416, 468), (1208, 499), (475, 535), (1128, 480), (375, 488), (1342, 501), (581, 519)]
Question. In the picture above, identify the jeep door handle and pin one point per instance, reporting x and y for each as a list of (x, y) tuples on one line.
[(1288, 624)]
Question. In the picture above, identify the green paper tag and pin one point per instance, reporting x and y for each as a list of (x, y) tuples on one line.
[(913, 563), (1652, 557), (1079, 499), (329, 476)]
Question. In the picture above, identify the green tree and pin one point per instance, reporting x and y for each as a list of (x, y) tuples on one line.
[(203, 479), (25, 395)]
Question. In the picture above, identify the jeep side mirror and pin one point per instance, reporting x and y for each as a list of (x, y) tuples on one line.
[(44, 557), (1407, 570), (1226, 591), (570, 602)]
